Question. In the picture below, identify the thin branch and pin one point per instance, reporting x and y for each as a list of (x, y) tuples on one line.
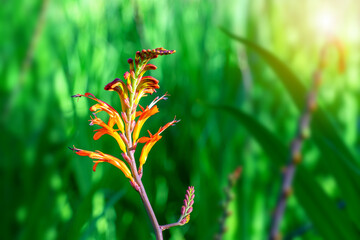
[(149, 210), (232, 179), (26, 63), (139, 23), (186, 209), (167, 226), (301, 134)]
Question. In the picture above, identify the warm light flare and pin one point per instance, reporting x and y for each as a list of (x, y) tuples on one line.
[(327, 21)]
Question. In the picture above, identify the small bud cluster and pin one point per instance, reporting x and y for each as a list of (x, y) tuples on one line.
[(187, 208), (151, 53)]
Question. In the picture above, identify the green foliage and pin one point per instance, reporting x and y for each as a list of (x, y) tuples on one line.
[(238, 105)]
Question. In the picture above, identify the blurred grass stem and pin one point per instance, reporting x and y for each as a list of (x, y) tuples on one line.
[(302, 133), (28, 57)]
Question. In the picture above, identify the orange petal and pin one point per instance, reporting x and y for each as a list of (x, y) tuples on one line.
[(106, 129), (120, 87), (146, 149), (150, 141), (102, 157), (99, 133), (144, 139), (142, 119), (103, 106)]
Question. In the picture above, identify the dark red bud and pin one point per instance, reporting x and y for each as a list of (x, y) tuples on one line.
[(149, 67), (109, 86)]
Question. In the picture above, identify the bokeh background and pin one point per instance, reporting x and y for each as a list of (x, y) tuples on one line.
[(237, 108)]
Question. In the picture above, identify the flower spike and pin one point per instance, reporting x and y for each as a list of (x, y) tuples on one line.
[(187, 208), (125, 126)]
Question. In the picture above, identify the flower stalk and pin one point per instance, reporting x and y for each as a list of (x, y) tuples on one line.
[(125, 126), (229, 196), (186, 209), (302, 133)]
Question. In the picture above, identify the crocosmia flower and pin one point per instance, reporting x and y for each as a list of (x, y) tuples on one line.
[(125, 125)]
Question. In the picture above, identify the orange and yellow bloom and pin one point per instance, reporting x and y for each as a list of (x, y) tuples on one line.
[(150, 142), (125, 126), (102, 157)]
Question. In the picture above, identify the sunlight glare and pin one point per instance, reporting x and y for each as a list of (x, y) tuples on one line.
[(326, 22)]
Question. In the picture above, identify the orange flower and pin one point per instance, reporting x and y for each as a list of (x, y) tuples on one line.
[(144, 115), (134, 86), (150, 142), (120, 87), (102, 157), (108, 128), (103, 106)]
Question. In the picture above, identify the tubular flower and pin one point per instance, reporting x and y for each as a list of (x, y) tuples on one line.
[(145, 114), (131, 89), (108, 128), (150, 142), (103, 106), (102, 157), (120, 87)]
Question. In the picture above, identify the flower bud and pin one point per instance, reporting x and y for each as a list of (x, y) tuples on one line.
[(182, 210), (123, 115), (189, 210)]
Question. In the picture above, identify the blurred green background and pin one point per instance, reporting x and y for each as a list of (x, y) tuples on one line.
[(50, 50)]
